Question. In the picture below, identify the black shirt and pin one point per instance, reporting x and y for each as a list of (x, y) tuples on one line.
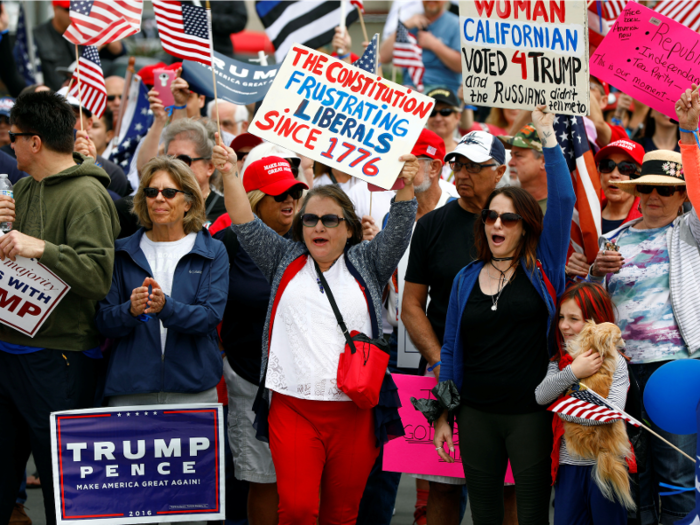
[(119, 184), (54, 51), (648, 144), (442, 244), (505, 351), (608, 226)]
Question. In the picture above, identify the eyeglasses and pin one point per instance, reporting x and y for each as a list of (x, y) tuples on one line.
[(329, 221), (13, 136), (110, 98), (296, 194), (168, 193), (507, 219), (663, 191), (189, 160), (471, 167), (625, 167), (445, 112)]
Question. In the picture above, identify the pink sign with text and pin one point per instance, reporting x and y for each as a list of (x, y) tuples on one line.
[(648, 56), (415, 453)]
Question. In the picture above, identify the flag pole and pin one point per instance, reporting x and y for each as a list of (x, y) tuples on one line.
[(125, 94), (340, 51), (362, 22), (637, 422), (80, 94), (213, 72)]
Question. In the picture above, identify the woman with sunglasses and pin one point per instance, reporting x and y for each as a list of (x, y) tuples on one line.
[(495, 350), (650, 275), (319, 438), (166, 347)]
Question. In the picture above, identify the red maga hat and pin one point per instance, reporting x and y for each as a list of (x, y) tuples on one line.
[(271, 175), (245, 140), (634, 150), (429, 144)]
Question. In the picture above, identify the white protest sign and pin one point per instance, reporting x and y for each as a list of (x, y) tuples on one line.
[(341, 116), (518, 54), (29, 292)]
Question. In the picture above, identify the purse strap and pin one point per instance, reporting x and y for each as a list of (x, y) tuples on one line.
[(334, 306)]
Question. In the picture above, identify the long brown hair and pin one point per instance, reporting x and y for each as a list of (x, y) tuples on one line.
[(526, 206)]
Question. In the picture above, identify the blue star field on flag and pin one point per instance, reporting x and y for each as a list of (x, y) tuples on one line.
[(137, 129), (21, 52), (368, 60), (571, 135)]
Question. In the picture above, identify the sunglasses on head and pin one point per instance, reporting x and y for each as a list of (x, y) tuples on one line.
[(663, 191), (471, 167), (189, 160), (507, 219), (168, 193), (625, 167), (329, 221), (110, 98), (445, 112), (13, 136), (296, 194)]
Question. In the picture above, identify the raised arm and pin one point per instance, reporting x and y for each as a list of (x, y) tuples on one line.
[(688, 112)]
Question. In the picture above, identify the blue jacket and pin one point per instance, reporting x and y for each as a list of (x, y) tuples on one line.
[(551, 252), (192, 361)]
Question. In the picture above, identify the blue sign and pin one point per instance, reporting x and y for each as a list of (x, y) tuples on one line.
[(138, 464)]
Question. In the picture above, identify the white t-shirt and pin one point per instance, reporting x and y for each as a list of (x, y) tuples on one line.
[(163, 257), (306, 340)]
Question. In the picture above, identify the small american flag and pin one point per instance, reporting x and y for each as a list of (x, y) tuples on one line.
[(685, 12), (408, 54), (609, 9), (92, 93), (368, 60), (183, 30), (98, 22), (586, 404)]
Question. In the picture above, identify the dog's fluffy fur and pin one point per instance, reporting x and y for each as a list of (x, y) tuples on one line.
[(607, 444)]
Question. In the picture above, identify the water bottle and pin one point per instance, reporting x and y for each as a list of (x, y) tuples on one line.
[(5, 189)]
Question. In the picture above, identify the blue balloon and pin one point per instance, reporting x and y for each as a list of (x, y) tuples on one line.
[(672, 395)]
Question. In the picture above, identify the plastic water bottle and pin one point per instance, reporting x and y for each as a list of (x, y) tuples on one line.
[(5, 189)]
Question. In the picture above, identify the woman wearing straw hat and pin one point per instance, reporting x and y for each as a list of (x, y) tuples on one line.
[(650, 274)]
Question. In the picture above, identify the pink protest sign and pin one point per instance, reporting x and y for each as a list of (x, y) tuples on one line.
[(415, 453), (648, 56)]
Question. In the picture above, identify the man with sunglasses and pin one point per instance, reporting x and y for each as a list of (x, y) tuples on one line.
[(444, 121), (115, 87), (443, 244), (62, 216)]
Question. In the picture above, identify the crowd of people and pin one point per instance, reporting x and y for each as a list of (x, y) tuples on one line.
[(210, 269)]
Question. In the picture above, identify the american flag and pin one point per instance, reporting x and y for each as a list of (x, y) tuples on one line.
[(92, 93), (685, 12), (586, 222), (98, 22), (359, 4), (609, 9), (368, 60), (183, 30), (31, 71), (136, 122), (408, 54), (586, 404)]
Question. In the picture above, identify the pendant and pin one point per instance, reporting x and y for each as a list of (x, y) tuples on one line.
[(494, 307)]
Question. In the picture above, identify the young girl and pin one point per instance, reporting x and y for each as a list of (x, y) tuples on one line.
[(580, 500)]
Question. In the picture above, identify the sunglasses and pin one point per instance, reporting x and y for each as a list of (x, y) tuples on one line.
[(111, 98), (507, 219), (13, 136), (663, 191), (329, 221), (189, 160), (445, 112), (168, 193), (625, 167), (296, 194), (471, 167)]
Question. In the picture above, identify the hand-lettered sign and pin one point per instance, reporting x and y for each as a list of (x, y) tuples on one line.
[(522, 54), (341, 116), (415, 453), (648, 56), (139, 464), (29, 292)]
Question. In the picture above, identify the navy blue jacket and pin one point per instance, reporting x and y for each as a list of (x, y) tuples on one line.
[(551, 252), (192, 361)]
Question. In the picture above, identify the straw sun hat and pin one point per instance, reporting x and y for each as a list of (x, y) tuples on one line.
[(659, 168)]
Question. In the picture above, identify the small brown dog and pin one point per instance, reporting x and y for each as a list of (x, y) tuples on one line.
[(607, 444)]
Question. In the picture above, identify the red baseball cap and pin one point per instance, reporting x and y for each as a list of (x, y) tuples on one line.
[(271, 175), (429, 144), (146, 73), (65, 4), (634, 150), (245, 140)]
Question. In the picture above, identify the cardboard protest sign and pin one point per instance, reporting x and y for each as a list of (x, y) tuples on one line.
[(29, 292), (141, 464), (341, 116), (237, 82), (519, 54), (650, 57), (415, 453)]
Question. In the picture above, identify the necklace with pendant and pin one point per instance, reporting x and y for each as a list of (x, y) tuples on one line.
[(502, 282)]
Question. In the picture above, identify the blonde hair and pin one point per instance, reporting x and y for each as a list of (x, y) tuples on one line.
[(254, 198), (185, 180), (498, 119)]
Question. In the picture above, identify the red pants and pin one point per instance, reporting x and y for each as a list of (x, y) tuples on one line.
[(326, 446)]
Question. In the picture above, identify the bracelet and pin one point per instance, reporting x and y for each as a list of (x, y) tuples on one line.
[(693, 131), (343, 57), (469, 106), (431, 368), (170, 109), (616, 121)]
